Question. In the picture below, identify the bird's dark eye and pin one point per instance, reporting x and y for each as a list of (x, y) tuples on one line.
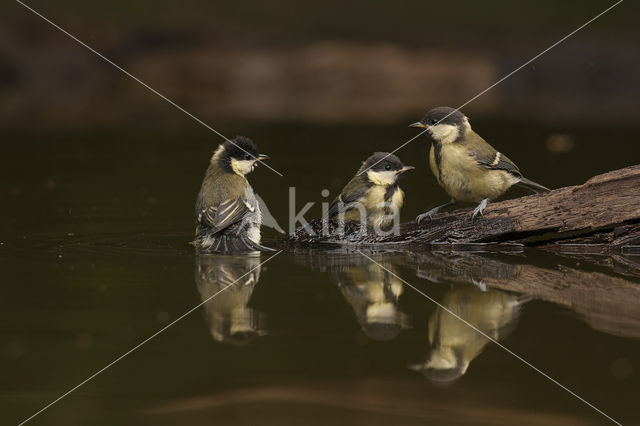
[(387, 167), (434, 121), (247, 157)]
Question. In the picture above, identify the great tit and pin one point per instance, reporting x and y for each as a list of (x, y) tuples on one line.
[(228, 314), (228, 216), (454, 344), (466, 166), (373, 191)]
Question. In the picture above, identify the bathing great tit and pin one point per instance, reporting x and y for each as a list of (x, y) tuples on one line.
[(373, 191), (466, 166), (228, 216)]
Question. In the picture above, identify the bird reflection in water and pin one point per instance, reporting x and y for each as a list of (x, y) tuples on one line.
[(228, 314), (454, 344), (373, 294)]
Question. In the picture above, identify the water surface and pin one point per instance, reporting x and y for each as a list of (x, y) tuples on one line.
[(95, 259)]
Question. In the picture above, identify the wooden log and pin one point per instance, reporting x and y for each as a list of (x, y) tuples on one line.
[(605, 210)]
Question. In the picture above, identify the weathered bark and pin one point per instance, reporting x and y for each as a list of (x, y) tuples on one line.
[(604, 212)]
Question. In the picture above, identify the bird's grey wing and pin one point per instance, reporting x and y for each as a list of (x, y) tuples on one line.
[(225, 214), (487, 156), (351, 193)]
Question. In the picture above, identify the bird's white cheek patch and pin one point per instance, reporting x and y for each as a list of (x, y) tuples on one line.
[(382, 178), (242, 167), (444, 133)]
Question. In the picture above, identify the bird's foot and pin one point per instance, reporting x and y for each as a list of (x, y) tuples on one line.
[(480, 209), (428, 214), (423, 216)]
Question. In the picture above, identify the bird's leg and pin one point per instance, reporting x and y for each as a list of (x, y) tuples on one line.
[(434, 210), (478, 210)]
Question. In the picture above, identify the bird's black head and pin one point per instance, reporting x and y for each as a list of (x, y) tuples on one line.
[(383, 161), (382, 331), (239, 155), (241, 148), (446, 375), (444, 124), (443, 115), (383, 168)]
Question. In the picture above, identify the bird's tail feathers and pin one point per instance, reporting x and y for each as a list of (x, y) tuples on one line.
[(531, 185), (254, 246), (228, 243)]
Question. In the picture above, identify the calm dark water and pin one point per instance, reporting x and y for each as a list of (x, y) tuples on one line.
[(95, 259)]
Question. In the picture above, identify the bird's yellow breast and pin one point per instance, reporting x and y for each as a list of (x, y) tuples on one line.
[(397, 199), (374, 197), (376, 207), (434, 166), (464, 179)]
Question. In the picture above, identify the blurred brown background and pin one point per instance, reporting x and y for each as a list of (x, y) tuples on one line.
[(316, 62)]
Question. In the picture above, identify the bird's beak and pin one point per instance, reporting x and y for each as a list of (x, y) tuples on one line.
[(419, 124), (262, 157), (404, 169)]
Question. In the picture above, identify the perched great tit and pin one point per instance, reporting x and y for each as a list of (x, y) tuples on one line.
[(374, 191), (466, 166), (227, 212)]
